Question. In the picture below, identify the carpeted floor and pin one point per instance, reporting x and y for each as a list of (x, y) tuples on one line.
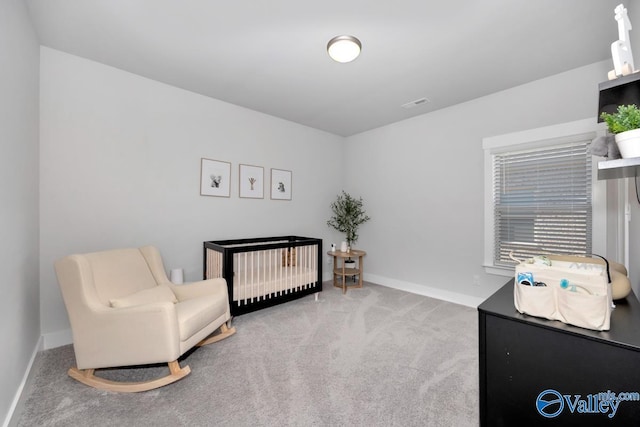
[(373, 357)]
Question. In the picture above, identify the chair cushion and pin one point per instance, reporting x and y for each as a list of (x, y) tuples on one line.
[(119, 272), (196, 313), (160, 293)]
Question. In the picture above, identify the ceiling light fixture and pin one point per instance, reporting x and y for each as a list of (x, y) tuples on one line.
[(344, 48)]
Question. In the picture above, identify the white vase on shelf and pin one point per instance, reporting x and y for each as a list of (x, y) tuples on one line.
[(350, 263), (629, 143)]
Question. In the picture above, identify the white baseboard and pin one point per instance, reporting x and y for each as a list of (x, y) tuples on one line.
[(45, 342), (57, 339), (427, 291), (25, 380)]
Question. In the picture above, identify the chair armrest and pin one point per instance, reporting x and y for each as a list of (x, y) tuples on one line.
[(135, 335), (198, 289)]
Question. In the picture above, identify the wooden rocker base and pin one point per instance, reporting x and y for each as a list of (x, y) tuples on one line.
[(225, 332), (87, 377)]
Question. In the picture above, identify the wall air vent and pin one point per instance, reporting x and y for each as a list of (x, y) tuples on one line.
[(415, 103)]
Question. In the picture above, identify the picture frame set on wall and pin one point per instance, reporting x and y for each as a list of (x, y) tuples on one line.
[(251, 181), (280, 184), (215, 180)]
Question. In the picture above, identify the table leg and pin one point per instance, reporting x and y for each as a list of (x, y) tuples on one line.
[(333, 271), (344, 278)]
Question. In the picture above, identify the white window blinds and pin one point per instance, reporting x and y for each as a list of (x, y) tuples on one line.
[(542, 202)]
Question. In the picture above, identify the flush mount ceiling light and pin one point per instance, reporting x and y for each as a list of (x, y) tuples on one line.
[(344, 48)]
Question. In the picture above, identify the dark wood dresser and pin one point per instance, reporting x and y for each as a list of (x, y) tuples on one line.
[(537, 372)]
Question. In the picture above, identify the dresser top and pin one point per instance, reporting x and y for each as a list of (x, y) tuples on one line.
[(625, 318)]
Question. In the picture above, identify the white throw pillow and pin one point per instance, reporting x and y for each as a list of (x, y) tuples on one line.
[(160, 293)]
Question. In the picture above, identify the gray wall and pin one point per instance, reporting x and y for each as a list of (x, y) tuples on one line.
[(422, 180), (121, 168), (19, 305)]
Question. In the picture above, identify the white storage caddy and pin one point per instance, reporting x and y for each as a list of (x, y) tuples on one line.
[(577, 293)]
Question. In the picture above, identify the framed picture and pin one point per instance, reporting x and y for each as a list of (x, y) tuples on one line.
[(251, 182), (280, 184), (215, 178)]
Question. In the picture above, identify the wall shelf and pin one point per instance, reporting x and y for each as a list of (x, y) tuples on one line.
[(624, 90), (619, 168), (621, 91)]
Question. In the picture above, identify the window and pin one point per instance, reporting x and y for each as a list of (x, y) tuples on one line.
[(542, 202), (539, 193)]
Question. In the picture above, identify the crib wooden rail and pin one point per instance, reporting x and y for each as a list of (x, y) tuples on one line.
[(265, 271)]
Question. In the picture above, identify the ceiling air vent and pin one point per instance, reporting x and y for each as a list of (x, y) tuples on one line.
[(415, 103)]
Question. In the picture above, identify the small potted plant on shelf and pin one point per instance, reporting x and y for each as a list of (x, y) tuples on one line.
[(348, 216), (625, 125)]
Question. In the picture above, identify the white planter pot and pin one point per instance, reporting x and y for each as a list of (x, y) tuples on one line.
[(629, 143), (350, 264)]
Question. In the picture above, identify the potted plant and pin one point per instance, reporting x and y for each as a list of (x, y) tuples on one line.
[(625, 125), (348, 216)]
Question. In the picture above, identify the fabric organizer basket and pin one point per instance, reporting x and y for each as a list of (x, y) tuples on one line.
[(573, 292)]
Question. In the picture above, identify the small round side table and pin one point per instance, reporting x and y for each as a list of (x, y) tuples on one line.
[(343, 271)]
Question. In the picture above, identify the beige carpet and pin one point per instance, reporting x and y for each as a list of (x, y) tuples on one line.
[(373, 357)]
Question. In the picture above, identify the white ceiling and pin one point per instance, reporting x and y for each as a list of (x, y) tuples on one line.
[(270, 56)]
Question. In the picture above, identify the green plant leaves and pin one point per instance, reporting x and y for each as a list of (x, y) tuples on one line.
[(348, 215), (626, 118)]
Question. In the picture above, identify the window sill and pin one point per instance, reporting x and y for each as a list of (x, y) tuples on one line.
[(499, 271)]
